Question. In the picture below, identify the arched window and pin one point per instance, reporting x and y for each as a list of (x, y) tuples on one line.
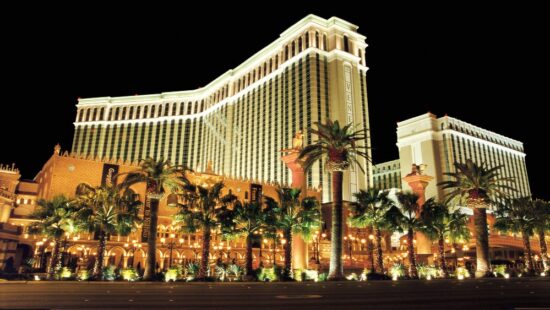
[(270, 64), (131, 113), (152, 111), (325, 43), (166, 108), (174, 107), (276, 61), (117, 111), (138, 109), (145, 112), (317, 40), (88, 112), (94, 115), (293, 48), (307, 39), (101, 112), (181, 108), (346, 44), (300, 44), (123, 115), (286, 53)]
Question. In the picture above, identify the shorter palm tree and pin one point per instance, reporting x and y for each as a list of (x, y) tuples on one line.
[(293, 216), (439, 223), (204, 209), (160, 177), (55, 220), (106, 210), (518, 216), (247, 219), (478, 186), (403, 218), (542, 225), (370, 211)]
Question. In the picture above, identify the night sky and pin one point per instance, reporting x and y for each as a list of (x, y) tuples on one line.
[(488, 67)]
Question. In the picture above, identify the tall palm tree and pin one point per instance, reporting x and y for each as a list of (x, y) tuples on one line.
[(294, 216), (106, 210), (55, 220), (478, 186), (404, 218), (439, 223), (247, 219), (518, 216), (160, 177), (542, 224), (205, 209), (341, 146), (370, 211)]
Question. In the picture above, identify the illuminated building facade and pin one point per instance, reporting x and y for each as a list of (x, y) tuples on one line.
[(387, 175), (242, 120), (439, 142)]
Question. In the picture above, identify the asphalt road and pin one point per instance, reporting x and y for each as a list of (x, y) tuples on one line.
[(436, 294)]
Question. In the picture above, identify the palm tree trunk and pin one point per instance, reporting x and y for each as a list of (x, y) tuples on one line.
[(380, 257), (336, 269), (287, 272), (98, 266), (248, 265), (151, 265), (370, 248), (528, 254), (482, 242), (205, 259), (60, 254), (442, 261), (543, 249), (53, 259), (413, 273)]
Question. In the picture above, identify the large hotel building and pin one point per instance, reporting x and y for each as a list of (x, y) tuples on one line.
[(440, 142), (242, 120), (233, 130)]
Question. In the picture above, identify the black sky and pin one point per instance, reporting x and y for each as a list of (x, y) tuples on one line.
[(488, 67)]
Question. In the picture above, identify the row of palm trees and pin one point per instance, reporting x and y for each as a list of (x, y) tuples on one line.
[(205, 209), (375, 211)]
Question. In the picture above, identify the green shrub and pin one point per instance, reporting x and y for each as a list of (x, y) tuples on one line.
[(267, 274), (173, 273), (191, 271), (310, 274), (426, 271), (235, 271), (83, 275), (322, 277), (397, 271), (462, 273), (63, 273), (499, 270), (129, 274), (109, 273)]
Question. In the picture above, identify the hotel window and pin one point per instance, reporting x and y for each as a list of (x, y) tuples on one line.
[(95, 115), (101, 112), (174, 107), (80, 114), (145, 112), (346, 44), (317, 40), (166, 109), (276, 61), (131, 113), (325, 47), (300, 44), (286, 53), (123, 115), (117, 110), (293, 48), (138, 110), (307, 39)]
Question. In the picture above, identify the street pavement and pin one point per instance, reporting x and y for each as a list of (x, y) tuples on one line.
[(497, 293)]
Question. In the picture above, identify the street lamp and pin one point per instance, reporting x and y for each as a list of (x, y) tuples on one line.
[(171, 243)]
